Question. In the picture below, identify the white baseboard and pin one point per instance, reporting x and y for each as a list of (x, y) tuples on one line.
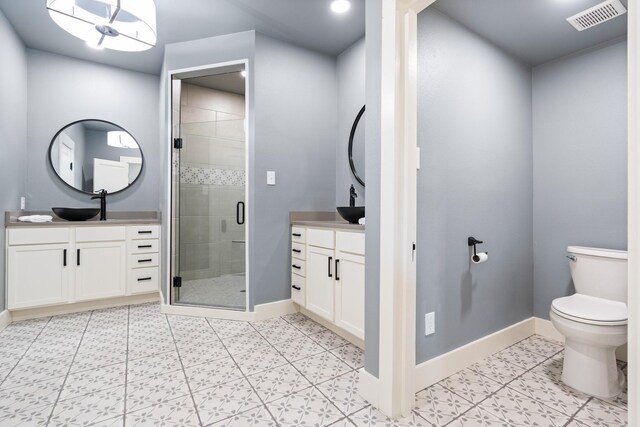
[(262, 311), (369, 388), (439, 368), (332, 327), (545, 328), (5, 319), (34, 313)]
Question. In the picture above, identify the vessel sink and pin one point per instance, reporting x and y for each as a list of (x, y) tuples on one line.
[(76, 214), (351, 213)]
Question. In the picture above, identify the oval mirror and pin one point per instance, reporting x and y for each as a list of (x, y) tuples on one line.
[(94, 155), (357, 147)]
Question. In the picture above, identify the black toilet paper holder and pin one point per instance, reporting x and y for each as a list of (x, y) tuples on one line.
[(472, 241)]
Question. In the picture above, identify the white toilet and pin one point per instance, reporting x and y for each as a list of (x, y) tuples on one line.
[(593, 320)]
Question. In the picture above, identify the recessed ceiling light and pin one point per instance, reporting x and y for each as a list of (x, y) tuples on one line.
[(340, 6), (243, 73)]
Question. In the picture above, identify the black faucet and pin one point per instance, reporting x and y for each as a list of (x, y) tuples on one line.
[(352, 196), (103, 204)]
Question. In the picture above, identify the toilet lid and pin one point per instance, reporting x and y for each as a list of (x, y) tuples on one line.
[(590, 308)]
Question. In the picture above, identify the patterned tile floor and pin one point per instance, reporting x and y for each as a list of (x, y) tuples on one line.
[(136, 366)]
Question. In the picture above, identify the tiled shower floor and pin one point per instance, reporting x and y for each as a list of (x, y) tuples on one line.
[(136, 366), (223, 291)]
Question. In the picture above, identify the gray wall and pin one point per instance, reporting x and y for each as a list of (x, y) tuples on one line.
[(13, 130), (295, 134), (351, 98), (474, 131), (63, 90), (580, 163), (373, 80)]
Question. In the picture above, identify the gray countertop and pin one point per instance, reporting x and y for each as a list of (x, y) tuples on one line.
[(113, 219), (341, 225), (322, 220)]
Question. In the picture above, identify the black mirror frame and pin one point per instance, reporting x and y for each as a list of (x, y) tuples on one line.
[(94, 120), (351, 136)]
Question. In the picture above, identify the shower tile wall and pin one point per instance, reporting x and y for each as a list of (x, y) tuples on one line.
[(212, 182)]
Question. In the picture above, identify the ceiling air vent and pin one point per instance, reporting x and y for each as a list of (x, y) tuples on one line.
[(597, 14)]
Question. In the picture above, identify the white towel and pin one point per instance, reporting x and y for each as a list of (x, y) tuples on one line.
[(361, 221), (36, 218)]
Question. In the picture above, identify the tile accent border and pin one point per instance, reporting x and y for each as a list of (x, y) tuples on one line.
[(5, 319), (445, 365), (207, 176)]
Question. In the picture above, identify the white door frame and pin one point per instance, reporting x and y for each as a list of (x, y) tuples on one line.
[(398, 200), (206, 311)]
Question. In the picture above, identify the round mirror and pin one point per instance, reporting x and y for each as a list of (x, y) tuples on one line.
[(357, 147), (94, 155)]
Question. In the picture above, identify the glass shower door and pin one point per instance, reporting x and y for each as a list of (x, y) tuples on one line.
[(210, 201)]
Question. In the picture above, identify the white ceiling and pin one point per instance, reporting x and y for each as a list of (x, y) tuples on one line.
[(534, 30), (308, 23)]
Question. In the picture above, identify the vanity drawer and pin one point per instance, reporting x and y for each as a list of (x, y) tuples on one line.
[(143, 246), (143, 280), (299, 267), (298, 234), (350, 242), (298, 289), (142, 232), (39, 236), (143, 260), (100, 234), (321, 238), (298, 251)]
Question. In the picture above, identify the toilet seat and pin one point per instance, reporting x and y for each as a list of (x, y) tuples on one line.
[(591, 310)]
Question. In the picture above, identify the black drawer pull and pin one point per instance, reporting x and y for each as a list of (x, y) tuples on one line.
[(329, 266), (298, 251), (145, 260), (144, 279), (143, 246), (297, 235), (78, 257), (297, 267), (297, 288), (64, 258), (337, 265), (145, 232)]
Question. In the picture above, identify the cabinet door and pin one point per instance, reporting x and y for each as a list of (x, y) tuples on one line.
[(37, 275), (100, 270), (349, 278), (319, 292)]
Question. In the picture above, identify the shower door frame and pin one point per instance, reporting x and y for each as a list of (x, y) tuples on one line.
[(192, 309)]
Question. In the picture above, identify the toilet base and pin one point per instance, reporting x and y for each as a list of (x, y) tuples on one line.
[(592, 370)]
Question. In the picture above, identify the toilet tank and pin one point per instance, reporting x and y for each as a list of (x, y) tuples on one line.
[(599, 272)]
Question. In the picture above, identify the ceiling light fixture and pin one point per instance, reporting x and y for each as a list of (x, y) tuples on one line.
[(126, 25), (340, 6)]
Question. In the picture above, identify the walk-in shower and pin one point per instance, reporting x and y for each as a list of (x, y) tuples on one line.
[(209, 188)]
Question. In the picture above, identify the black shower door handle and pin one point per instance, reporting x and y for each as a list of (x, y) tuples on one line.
[(240, 209)]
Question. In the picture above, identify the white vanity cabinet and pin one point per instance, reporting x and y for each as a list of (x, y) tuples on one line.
[(51, 266), (328, 275)]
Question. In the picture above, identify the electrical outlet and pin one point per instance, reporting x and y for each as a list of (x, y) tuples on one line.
[(430, 323)]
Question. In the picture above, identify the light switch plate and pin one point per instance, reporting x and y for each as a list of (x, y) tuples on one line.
[(271, 177), (430, 323)]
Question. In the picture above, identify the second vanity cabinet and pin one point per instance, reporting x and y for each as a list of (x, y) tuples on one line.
[(61, 265), (328, 275)]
